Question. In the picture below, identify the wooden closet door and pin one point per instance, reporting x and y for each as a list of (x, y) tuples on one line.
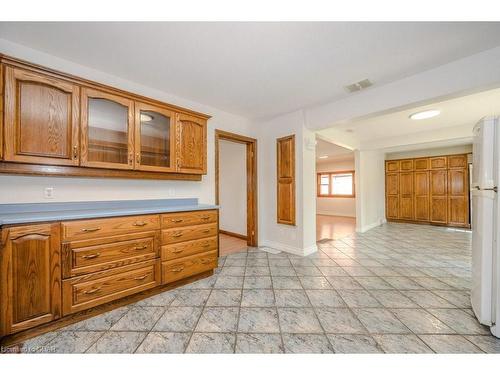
[(392, 195), (438, 196), (422, 195), (286, 180), (41, 118), (406, 195), (30, 277), (458, 210), (191, 144)]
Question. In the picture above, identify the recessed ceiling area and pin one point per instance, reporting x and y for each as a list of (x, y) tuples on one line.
[(327, 151), (255, 69), (462, 111)]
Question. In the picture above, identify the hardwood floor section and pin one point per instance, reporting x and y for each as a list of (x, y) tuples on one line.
[(230, 245), (334, 227)]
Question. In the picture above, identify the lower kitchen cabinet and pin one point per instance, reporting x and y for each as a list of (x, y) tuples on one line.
[(30, 277)]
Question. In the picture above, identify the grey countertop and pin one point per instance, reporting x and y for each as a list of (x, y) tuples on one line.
[(38, 212)]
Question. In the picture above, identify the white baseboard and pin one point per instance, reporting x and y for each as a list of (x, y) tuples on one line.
[(366, 228), (290, 249)]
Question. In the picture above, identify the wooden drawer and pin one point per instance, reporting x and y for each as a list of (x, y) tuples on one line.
[(83, 229), (81, 257), (80, 293), (169, 252), (188, 266), (182, 219), (175, 235)]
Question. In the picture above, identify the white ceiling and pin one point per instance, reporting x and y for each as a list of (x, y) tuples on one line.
[(333, 151), (462, 111), (257, 69)]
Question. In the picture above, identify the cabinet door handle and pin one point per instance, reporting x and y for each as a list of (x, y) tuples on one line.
[(140, 224), (177, 251), (86, 230), (177, 235), (138, 158), (91, 256), (75, 152), (92, 291), (138, 278), (206, 231), (206, 245), (131, 158), (140, 247), (177, 269), (177, 220), (205, 261), (205, 217)]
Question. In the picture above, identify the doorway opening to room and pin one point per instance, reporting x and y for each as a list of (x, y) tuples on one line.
[(336, 191), (236, 191)]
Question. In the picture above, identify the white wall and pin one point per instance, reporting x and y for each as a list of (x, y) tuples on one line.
[(301, 238), (233, 187), (336, 206), (370, 189), (17, 189)]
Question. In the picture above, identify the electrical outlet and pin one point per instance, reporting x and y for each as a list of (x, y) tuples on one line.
[(48, 193)]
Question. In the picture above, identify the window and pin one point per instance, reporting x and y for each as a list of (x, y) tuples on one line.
[(336, 184)]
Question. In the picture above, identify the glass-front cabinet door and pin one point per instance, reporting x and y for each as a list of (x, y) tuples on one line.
[(154, 138), (107, 130)]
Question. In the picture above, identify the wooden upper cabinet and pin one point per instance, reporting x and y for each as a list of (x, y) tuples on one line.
[(392, 166), (421, 164), (438, 196), (457, 161), (421, 195), (406, 165), (438, 162), (30, 277), (107, 130), (406, 195), (191, 144), (155, 141), (285, 154), (41, 118)]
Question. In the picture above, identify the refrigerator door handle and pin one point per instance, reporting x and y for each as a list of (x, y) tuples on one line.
[(495, 189)]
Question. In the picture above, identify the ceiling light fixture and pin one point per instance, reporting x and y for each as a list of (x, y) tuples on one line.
[(146, 118), (323, 157), (425, 114)]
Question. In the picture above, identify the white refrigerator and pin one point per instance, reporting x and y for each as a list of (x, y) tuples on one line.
[(485, 292)]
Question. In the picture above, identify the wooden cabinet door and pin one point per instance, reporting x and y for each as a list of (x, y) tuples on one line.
[(438, 162), (406, 165), (41, 119), (392, 166), (30, 277), (406, 195), (392, 183), (392, 207), (422, 195), (107, 130), (421, 164), (392, 195), (438, 196), (458, 201), (457, 161), (286, 180), (191, 144), (154, 138)]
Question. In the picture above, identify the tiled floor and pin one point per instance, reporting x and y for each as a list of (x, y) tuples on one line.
[(334, 227), (398, 288)]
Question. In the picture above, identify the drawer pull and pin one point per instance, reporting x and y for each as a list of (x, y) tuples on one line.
[(206, 231), (140, 247), (138, 278), (91, 256), (177, 220), (205, 217), (177, 235), (206, 245), (92, 291), (177, 269), (86, 230), (140, 223), (177, 251), (205, 261)]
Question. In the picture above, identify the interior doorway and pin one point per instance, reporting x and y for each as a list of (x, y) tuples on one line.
[(236, 191)]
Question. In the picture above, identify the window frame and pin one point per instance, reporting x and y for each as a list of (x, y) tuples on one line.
[(330, 185)]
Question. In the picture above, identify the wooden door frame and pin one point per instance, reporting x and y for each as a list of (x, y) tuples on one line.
[(251, 160)]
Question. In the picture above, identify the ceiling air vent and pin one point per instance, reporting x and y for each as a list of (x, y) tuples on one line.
[(358, 86)]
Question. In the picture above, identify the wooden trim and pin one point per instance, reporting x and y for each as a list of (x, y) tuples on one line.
[(288, 180), (12, 61), (252, 198), (79, 316), (232, 234), (330, 194), (69, 171)]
